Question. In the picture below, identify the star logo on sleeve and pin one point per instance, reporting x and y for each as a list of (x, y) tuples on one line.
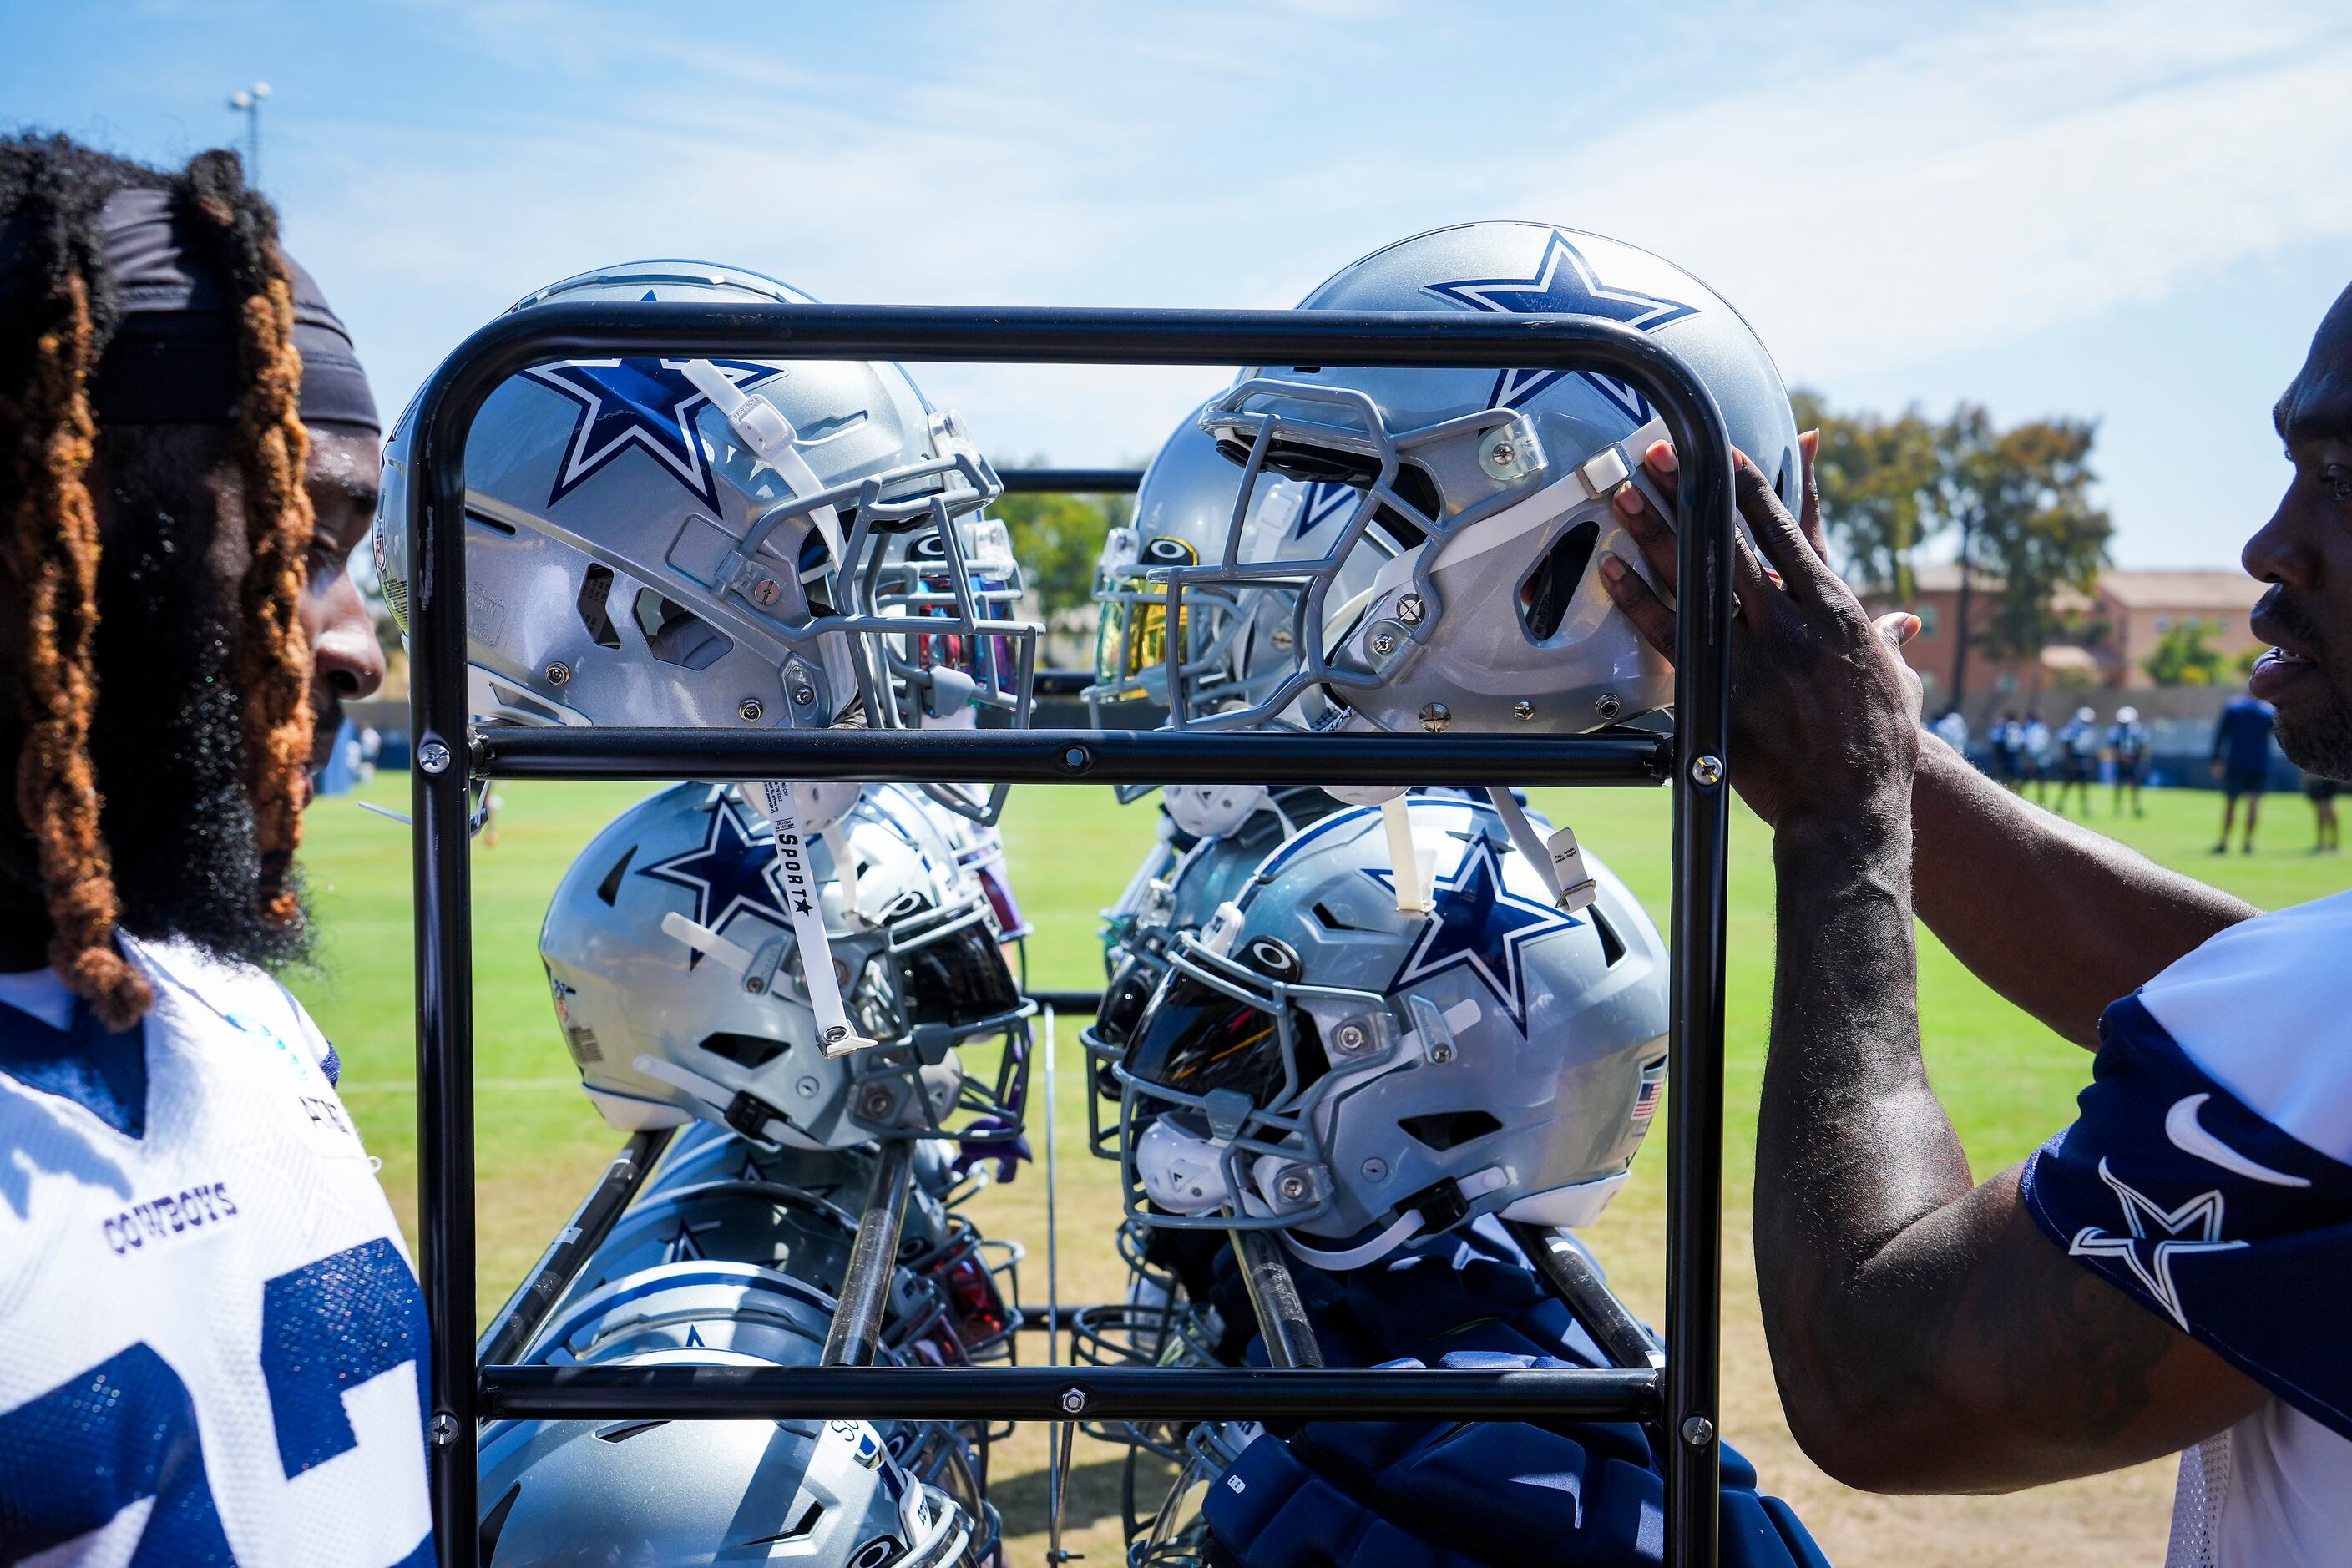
[(2154, 1238), (731, 874), (1480, 925), (640, 405), (1563, 284)]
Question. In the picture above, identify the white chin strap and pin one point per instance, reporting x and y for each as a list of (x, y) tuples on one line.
[(770, 436), (1403, 1228), (1557, 861), (1414, 868), (711, 1092), (776, 801)]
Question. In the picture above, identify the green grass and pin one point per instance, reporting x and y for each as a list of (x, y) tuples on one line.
[(2007, 1081)]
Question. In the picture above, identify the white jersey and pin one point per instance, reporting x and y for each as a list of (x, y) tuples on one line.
[(212, 1343)]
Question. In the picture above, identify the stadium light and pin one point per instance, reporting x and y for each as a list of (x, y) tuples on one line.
[(247, 100)]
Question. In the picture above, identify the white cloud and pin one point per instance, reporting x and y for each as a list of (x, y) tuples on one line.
[(1964, 186)]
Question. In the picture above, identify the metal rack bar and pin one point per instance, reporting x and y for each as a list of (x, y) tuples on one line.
[(873, 1256), (1071, 481), (1070, 756), (1282, 1318), (1579, 1285), (545, 1284), (444, 765), (1046, 1393)]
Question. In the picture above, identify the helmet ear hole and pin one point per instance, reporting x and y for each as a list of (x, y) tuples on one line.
[(675, 635), (1546, 592), (595, 612)]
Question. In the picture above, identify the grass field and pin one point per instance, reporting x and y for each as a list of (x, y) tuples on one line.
[(2008, 1083)]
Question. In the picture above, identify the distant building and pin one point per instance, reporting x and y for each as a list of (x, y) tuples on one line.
[(2122, 621)]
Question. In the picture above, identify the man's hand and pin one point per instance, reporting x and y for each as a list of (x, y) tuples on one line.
[(1825, 714)]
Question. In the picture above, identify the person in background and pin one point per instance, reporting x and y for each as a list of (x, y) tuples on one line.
[(2128, 743), (1952, 729), (2322, 792), (2241, 761), (2008, 752), (2039, 762), (2078, 758)]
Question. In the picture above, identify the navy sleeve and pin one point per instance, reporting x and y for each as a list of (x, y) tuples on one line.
[(2169, 1188)]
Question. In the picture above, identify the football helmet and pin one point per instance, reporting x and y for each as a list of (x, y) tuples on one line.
[(1177, 891), (1479, 500), (729, 543), (840, 1494), (1230, 644), (676, 978), (977, 1277), (1317, 1062)]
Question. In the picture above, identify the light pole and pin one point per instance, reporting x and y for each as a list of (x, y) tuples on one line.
[(247, 102)]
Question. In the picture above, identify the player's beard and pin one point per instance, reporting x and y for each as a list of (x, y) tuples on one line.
[(2317, 736), (167, 740)]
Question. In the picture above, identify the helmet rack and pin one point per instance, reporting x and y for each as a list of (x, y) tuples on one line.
[(468, 1384)]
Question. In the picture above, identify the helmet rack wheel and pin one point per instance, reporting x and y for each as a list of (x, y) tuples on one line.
[(462, 1391)]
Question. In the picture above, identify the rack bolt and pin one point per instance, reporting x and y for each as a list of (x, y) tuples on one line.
[(1074, 1401), (558, 673), (1707, 772), (1436, 717), (1523, 710), (444, 1429), (751, 710), (1608, 706), (1698, 1431), (1075, 759), (1383, 645), (1409, 609), (432, 757), (1376, 1170)]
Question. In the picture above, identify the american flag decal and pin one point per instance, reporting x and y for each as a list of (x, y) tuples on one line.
[(1653, 1089)]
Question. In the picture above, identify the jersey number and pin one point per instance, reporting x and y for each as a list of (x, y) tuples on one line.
[(125, 1431)]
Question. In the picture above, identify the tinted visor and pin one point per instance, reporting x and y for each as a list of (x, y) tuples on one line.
[(1132, 634), (1194, 1038), (958, 979)]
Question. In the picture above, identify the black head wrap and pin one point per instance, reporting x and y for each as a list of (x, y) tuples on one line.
[(173, 356)]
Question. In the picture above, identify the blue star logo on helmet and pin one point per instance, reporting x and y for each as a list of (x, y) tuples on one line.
[(1326, 500), (640, 405), (733, 873), (1479, 924), (1563, 284)]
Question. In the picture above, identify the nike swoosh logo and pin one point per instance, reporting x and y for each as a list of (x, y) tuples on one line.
[(2189, 1135)]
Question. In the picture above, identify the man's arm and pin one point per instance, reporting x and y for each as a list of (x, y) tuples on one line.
[(1924, 1333), (2056, 918), (2059, 919)]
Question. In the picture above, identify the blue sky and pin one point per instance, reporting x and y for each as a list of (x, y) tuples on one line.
[(2135, 211)]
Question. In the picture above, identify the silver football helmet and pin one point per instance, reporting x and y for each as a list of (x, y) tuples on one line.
[(977, 1279), (731, 544), (1230, 645), (1480, 499), (832, 1494), (1177, 892), (677, 979), (1318, 1063)]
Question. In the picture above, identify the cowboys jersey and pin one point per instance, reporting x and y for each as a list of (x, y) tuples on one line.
[(2209, 1178), (212, 1344)]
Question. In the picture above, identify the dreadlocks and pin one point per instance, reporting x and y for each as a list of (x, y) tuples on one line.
[(64, 315)]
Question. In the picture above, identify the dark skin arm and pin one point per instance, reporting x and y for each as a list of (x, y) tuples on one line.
[(2104, 919), (1925, 1335)]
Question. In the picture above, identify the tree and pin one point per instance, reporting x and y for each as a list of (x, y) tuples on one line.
[(1877, 479), (1057, 538), (2183, 657), (2020, 499)]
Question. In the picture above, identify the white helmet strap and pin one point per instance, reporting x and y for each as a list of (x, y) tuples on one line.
[(763, 429), (835, 1033)]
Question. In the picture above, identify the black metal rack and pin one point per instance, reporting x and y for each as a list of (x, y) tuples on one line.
[(448, 757)]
